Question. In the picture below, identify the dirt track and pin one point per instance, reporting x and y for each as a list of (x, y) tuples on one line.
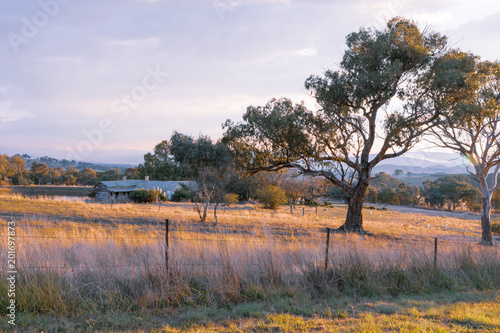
[(423, 211)]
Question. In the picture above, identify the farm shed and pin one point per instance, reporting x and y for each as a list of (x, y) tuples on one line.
[(119, 189)]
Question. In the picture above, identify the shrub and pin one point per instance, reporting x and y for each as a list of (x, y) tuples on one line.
[(311, 202), (271, 196), (495, 228), (145, 196), (185, 193), (230, 198)]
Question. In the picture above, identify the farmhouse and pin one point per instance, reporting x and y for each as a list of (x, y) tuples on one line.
[(119, 189)]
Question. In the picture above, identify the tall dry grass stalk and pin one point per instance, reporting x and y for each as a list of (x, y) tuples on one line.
[(72, 268)]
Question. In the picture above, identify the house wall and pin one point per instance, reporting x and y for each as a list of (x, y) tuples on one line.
[(102, 193)]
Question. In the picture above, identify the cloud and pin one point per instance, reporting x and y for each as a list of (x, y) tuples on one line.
[(94, 52), (7, 114), (310, 51)]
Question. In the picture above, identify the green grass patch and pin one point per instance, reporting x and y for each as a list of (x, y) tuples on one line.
[(440, 312)]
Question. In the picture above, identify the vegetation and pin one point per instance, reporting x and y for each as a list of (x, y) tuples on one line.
[(271, 196), (208, 162), (161, 166), (337, 141), (147, 196), (185, 194), (495, 228), (15, 170), (230, 198), (471, 127), (452, 190), (108, 270)]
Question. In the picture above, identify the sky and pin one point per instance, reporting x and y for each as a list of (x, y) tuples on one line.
[(79, 78)]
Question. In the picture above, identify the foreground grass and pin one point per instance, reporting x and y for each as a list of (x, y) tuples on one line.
[(256, 271), (440, 312)]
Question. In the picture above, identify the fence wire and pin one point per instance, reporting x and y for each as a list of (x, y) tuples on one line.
[(191, 244)]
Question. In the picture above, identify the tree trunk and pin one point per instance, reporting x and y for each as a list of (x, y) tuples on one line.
[(215, 213), (486, 238), (205, 210), (354, 218)]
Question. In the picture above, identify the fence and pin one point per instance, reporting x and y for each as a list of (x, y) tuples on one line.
[(60, 247), (67, 264)]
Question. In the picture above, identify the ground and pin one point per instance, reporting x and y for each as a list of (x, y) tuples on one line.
[(466, 299)]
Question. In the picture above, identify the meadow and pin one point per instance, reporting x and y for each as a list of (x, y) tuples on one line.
[(101, 267)]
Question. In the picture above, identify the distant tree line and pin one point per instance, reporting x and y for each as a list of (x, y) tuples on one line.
[(222, 182), (15, 170), (448, 191)]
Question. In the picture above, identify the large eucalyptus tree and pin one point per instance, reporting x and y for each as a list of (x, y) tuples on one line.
[(374, 107)]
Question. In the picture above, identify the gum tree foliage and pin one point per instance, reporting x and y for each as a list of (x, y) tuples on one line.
[(338, 141), (40, 173), (472, 128), (12, 170), (160, 165), (451, 190), (210, 162), (398, 172)]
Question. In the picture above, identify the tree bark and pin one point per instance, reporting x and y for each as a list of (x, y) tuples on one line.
[(486, 238), (354, 218)]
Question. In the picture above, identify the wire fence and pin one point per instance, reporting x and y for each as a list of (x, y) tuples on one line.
[(188, 243), (70, 247)]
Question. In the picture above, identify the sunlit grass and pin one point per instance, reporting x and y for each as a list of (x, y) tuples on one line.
[(266, 267)]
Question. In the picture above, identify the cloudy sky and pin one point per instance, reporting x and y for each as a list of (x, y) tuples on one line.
[(91, 76)]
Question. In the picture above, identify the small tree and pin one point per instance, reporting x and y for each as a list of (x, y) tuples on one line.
[(210, 162), (398, 172), (371, 194), (230, 198), (271, 196), (40, 173)]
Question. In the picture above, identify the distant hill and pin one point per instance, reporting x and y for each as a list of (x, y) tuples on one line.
[(425, 163), (431, 169)]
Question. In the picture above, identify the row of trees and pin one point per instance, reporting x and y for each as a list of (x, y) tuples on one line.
[(14, 171), (211, 164)]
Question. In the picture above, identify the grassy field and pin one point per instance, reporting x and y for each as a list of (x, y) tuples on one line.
[(95, 267)]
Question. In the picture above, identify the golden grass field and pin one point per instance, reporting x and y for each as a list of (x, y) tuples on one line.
[(91, 266)]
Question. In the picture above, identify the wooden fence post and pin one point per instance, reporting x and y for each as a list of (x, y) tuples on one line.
[(291, 209), (327, 247), (166, 243), (435, 251), (303, 211)]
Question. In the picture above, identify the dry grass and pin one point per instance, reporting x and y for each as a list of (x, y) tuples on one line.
[(389, 223), (117, 264)]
